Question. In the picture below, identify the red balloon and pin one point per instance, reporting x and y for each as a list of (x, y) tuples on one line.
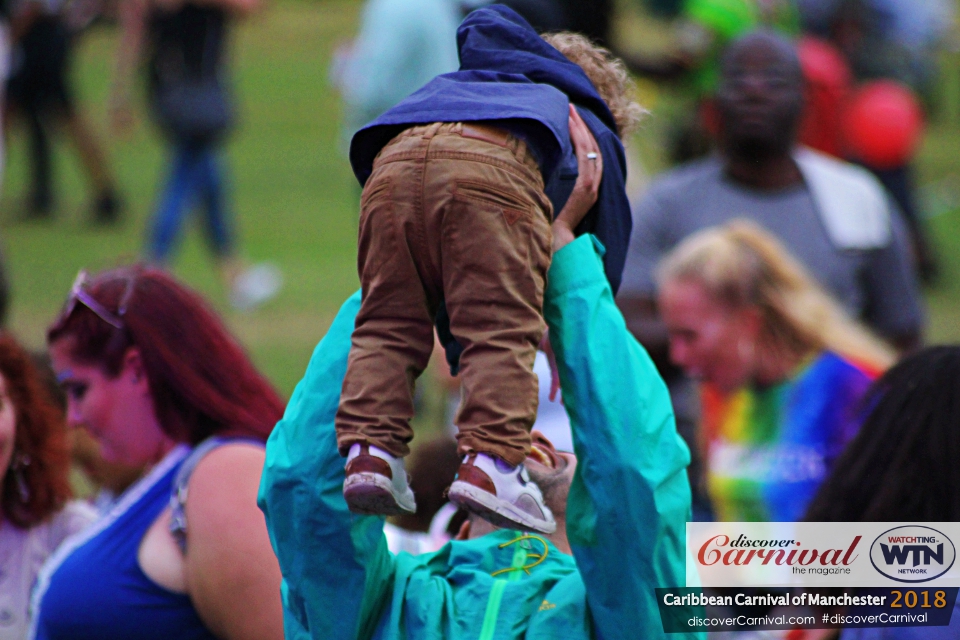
[(883, 124), (823, 63), (828, 81)]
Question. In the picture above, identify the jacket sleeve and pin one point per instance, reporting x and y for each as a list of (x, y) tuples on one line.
[(336, 567), (630, 497)]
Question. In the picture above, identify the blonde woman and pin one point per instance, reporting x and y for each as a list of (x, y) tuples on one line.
[(782, 368)]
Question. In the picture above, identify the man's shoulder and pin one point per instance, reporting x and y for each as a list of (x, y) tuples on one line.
[(851, 201), (836, 168)]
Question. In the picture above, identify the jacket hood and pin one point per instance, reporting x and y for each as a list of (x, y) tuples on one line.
[(497, 38)]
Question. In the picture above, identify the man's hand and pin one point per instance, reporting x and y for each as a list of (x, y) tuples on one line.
[(587, 187)]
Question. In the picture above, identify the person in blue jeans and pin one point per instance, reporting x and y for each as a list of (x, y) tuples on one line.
[(185, 44), (196, 177)]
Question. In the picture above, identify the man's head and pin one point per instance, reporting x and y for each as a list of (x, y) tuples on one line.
[(760, 97), (552, 470)]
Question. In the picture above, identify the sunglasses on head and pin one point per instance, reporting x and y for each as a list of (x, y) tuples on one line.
[(78, 293)]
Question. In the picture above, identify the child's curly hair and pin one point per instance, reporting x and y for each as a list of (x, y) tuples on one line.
[(608, 75)]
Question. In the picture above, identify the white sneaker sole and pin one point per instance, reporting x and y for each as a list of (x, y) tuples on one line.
[(496, 511), (372, 494)]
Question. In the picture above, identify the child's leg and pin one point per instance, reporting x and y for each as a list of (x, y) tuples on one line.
[(393, 337), (496, 251), (496, 245)]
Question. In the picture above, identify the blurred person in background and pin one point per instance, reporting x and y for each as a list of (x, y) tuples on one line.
[(890, 49), (36, 513), (184, 44), (782, 369), (101, 481), (402, 45), (702, 30), (153, 375), (902, 465), (40, 90), (895, 39), (832, 216)]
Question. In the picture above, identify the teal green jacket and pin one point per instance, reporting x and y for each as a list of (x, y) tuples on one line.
[(626, 512)]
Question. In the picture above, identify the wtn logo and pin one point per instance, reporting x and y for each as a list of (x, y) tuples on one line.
[(912, 554), (897, 554)]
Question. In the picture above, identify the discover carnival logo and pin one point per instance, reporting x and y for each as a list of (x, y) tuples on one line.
[(912, 554), (742, 551)]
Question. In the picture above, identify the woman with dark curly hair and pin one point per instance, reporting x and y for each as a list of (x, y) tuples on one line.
[(36, 513)]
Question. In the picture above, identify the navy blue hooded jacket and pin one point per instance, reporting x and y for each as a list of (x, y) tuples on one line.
[(513, 77)]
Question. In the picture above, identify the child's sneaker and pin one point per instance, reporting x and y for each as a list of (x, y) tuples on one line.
[(501, 494), (376, 483)]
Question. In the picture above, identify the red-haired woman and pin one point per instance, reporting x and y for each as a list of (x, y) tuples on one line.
[(36, 513), (154, 376)]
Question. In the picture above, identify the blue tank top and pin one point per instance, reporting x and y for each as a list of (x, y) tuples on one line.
[(94, 588)]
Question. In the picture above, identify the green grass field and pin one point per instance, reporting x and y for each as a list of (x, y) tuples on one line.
[(294, 194)]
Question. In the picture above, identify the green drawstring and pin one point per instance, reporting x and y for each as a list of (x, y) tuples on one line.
[(540, 557), (520, 556)]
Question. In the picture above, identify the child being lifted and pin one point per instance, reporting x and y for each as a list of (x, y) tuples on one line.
[(460, 183)]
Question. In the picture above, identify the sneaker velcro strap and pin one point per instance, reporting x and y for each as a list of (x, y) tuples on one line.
[(371, 464), (477, 477)]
